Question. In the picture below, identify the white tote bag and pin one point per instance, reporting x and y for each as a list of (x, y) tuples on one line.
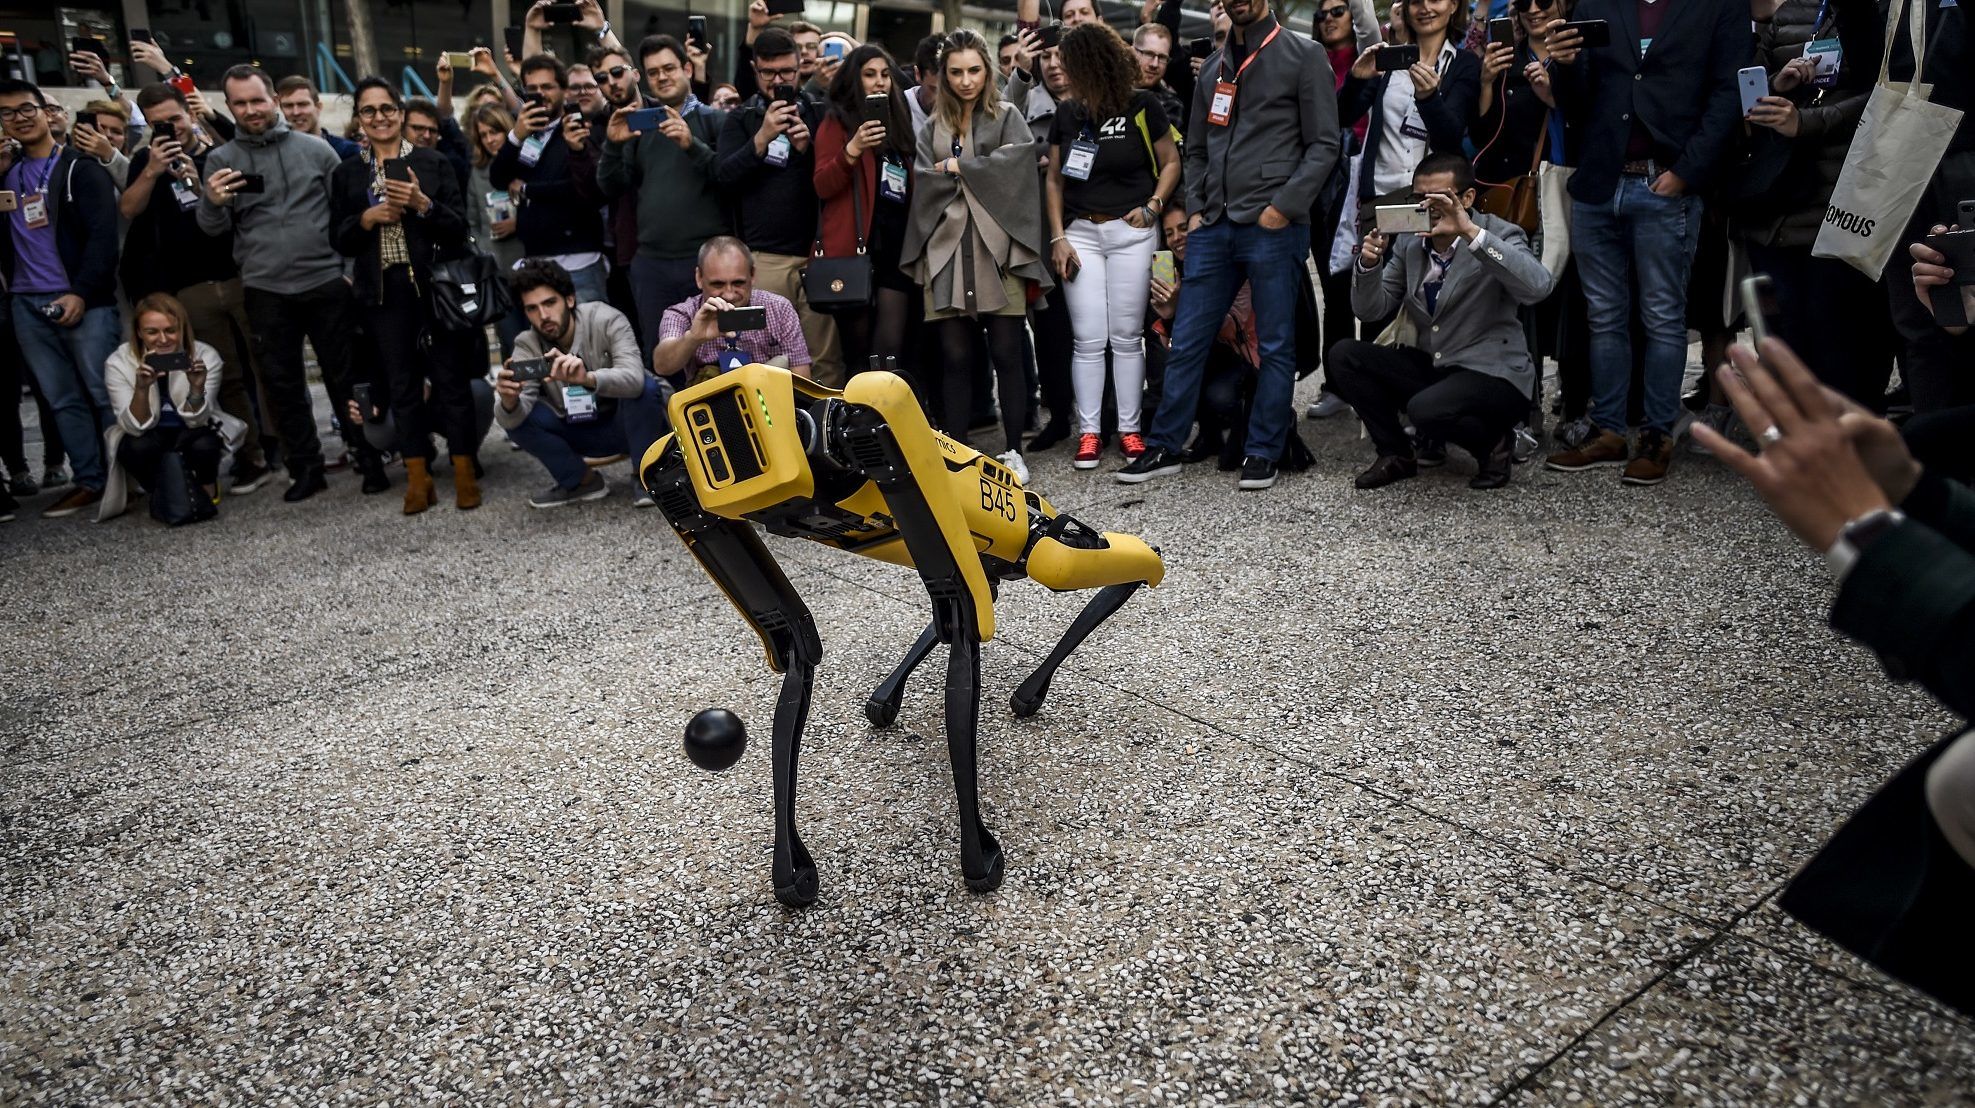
[(1553, 201), (1344, 244), (1898, 146)]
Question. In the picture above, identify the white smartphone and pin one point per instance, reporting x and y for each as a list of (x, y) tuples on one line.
[(8, 201), (1402, 219), (1754, 83)]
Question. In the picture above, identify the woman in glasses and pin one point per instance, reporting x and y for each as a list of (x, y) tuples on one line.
[(396, 209)]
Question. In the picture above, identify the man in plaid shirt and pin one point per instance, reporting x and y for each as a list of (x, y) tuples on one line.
[(691, 346)]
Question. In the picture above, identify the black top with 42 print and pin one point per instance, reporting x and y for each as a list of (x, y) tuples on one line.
[(1125, 170)]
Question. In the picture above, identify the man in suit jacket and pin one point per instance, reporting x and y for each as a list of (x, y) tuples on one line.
[(1261, 140), (1465, 377), (1656, 109)]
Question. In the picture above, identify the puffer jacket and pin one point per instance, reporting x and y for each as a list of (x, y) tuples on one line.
[(1827, 118)]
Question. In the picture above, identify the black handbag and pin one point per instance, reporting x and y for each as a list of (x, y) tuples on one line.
[(839, 284), (175, 499), (469, 292)]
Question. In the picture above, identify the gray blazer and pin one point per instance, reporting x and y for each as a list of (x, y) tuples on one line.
[(1282, 142), (1476, 326)]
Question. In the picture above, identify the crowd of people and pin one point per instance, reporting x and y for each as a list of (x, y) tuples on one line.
[(1083, 239)]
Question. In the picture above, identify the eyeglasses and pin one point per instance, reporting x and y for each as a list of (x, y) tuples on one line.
[(1152, 55), (25, 111), (617, 72), (1534, 5), (380, 111), (578, 90), (776, 75), (421, 128), (1336, 13)]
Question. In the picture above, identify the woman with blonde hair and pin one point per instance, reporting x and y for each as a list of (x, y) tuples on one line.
[(490, 211), (164, 396), (974, 239)]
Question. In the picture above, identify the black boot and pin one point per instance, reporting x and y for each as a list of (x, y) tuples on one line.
[(1495, 466), (307, 483), (371, 465)]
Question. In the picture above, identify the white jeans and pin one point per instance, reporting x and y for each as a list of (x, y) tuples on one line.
[(1107, 308)]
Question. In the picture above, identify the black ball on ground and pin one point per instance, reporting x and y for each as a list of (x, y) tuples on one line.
[(715, 739)]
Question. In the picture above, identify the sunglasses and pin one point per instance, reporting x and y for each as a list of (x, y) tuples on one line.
[(1335, 13), (617, 72), (1533, 5)]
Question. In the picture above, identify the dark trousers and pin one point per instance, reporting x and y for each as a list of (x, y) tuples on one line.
[(199, 447), (412, 352), (1449, 404), (1836, 319), (1943, 440), (1053, 349), (13, 437), (1935, 364), (281, 321), (960, 342), (218, 312)]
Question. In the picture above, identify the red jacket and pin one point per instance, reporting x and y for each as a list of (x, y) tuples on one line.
[(839, 229)]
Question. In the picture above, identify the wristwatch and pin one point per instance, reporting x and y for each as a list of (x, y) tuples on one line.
[(1856, 537), (604, 33)]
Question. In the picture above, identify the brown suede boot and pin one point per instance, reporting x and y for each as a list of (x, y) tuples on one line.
[(419, 494), (466, 490)]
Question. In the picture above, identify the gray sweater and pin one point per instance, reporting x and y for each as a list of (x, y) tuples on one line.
[(609, 348), (281, 236)]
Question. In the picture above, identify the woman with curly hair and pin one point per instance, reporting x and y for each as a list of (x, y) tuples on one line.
[(1113, 165)]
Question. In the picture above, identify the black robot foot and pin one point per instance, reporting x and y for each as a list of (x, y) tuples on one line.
[(991, 871), (881, 713), (799, 889), (1025, 703)]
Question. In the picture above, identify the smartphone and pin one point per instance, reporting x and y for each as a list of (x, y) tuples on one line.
[(645, 119), (571, 106), (1959, 247), (81, 45), (8, 201), (784, 7), (1401, 219), (735, 320), (139, 34), (1392, 59), (782, 94), (1501, 32), (1200, 48), (166, 130), (397, 169), (511, 36), (252, 183), (562, 13), (1163, 266), (459, 59), (834, 49), (1051, 36), (529, 369), (1954, 304), (1754, 83), (1596, 33), (696, 29), (185, 85), (1758, 294), (877, 108), (177, 362), (360, 392), (1964, 215)]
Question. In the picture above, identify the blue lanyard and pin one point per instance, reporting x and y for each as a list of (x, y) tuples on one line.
[(20, 171), (1822, 7)]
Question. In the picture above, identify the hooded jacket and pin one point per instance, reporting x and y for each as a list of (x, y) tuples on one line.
[(281, 236), (82, 212)]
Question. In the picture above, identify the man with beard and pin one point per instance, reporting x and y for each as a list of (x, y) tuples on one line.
[(269, 188)]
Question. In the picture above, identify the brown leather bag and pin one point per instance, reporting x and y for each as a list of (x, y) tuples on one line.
[(1519, 201)]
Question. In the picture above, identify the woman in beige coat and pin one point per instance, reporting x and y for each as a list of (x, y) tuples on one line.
[(974, 240), (163, 410)]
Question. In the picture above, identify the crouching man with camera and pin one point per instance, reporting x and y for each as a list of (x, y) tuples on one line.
[(576, 387), (730, 323), (1464, 374)]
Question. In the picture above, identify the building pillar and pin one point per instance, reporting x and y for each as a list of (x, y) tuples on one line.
[(363, 40)]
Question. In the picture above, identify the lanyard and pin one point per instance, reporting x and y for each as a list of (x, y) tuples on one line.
[(20, 171), (1249, 60), (1822, 7)]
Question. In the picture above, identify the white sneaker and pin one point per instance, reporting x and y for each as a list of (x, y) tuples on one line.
[(1013, 460), (1327, 405)]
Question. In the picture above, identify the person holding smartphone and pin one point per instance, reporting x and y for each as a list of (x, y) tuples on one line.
[(1420, 109), (1112, 168), (58, 253), (395, 210), (864, 179), (575, 388), (164, 387), (692, 345)]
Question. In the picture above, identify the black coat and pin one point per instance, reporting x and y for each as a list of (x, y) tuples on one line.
[(1683, 91), (1888, 886), (438, 235), (1445, 114)]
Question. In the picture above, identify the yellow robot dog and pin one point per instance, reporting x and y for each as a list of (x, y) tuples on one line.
[(864, 472)]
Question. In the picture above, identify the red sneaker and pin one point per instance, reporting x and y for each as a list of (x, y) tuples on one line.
[(1134, 444), (1088, 449)]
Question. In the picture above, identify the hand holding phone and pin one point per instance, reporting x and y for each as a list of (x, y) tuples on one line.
[(733, 321), (1392, 59), (1753, 81), (1402, 219), (529, 369)]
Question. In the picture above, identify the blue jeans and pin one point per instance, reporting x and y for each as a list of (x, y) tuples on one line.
[(1219, 257), (589, 282), (561, 445), (67, 362), (1635, 235)]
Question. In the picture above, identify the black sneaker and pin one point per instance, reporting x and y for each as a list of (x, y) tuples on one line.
[(247, 477), (307, 483), (1429, 453), (1256, 473), (1157, 461)]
